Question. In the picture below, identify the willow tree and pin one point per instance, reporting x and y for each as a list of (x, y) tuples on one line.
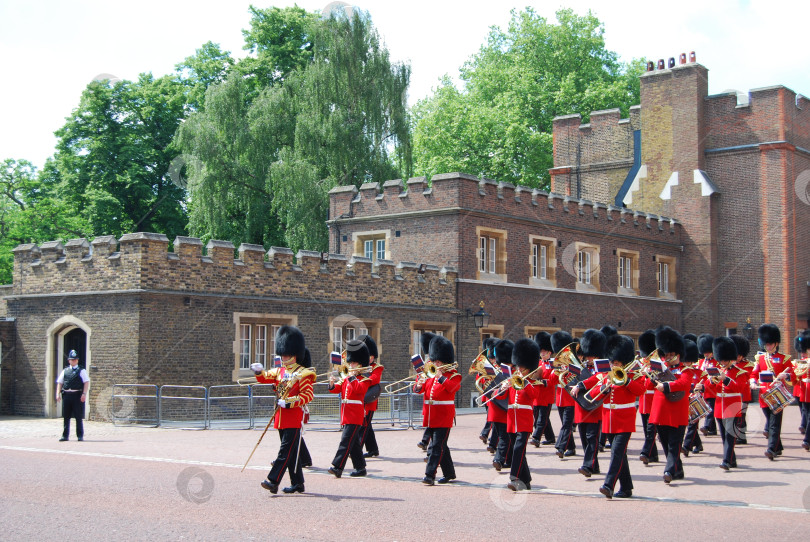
[(261, 168)]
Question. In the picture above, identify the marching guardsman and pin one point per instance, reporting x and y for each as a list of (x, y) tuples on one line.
[(565, 403), (424, 346), (728, 387), (491, 442), (802, 345), (293, 382), (618, 414), (589, 422), (439, 397), (670, 411), (520, 419), (689, 364), (649, 451), (369, 439), (704, 344), (498, 406), (771, 367), (604, 441), (743, 348), (352, 390), (545, 394)]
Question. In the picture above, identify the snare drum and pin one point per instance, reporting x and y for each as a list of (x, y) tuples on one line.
[(698, 408), (777, 397)]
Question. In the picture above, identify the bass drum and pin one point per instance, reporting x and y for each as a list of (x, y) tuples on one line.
[(698, 408)]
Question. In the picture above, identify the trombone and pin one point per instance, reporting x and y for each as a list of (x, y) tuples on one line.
[(429, 370), (517, 381)]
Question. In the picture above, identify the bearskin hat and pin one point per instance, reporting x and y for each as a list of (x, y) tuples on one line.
[(742, 344), (620, 348), (503, 351), (769, 333), (371, 345), (306, 361), (441, 349), (705, 342), (723, 349), (559, 340), (424, 342), (526, 354), (690, 336), (543, 340), (487, 345), (646, 342), (691, 351), (609, 331), (802, 342), (669, 341), (592, 344), (290, 342), (356, 351)]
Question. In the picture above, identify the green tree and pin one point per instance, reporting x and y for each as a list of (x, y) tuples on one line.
[(499, 124), (207, 66), (31, 210), (264, 166), (114, 153)]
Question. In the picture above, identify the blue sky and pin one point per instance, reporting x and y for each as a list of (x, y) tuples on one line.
[(51, 49)]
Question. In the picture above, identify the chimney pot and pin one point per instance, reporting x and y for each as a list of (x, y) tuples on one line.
[(692, 57), (660, 63), (650, 66), (671, 63), (682, 58)]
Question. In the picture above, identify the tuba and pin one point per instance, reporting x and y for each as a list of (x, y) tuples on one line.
[(479, 366), (564, 359), (660, 377)]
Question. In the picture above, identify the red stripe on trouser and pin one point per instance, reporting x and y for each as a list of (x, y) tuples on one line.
[(622, 466), (284, 468), (348, 448)]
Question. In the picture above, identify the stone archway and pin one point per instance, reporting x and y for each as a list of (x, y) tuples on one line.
[(65, 334)]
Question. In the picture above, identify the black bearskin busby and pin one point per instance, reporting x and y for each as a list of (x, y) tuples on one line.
[(669, 341), (705, 342), (441, 349), (424, 342), (646, 343), (769, 333), (543, 340), (620, 348), (526, 354), (723, 349), (559, 340), (290, 342), (371, 345), (691, 351), (742, 344), (609, 331), (592, 344), (357, 351), (802, 342), (503, 351)]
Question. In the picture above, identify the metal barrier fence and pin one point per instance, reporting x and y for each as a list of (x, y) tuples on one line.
[(243, 407)]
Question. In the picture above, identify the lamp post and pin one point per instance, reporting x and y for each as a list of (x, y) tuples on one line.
[(748, 330)]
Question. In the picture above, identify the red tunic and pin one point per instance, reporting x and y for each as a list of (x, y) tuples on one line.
[(702, 365), (299, 392), (619, 408), (673, 413), (545, 394), (352, 391), (728, 403), (561, 396), (646, 400), (589, 416), (803, 385), (520, 418), (439, 399), (374, 379), (779, 363)]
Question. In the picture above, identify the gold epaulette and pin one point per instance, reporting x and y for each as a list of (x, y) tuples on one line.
[(306, 373)]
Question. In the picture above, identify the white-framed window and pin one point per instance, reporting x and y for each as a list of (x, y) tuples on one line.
[(256, 339), (368, 249), (487, 253), (663, 277), (245, 344), (542, 261), (628, 271), (491, 254), (584, 269), (666, 276), (372, 245), (417, 328), (539, 261)]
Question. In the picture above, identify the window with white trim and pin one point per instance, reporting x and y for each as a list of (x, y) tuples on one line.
[(256, 339), (628, 271), (665, 275), (542, 261), (586, 267), (372, 245), (491, 254)]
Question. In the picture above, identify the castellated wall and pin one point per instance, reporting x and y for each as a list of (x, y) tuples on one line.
[(143, 262)]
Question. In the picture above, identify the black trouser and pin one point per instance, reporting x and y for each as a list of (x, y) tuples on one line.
[(691, 439), (805, 409), (619, 469), (520, 470), (350, 447), (671, 438), (728, 432), (542, 423), (708, 422), (440, 454), (503, 453), (425, 437), (742, 425), (303, 454), (287, 458), (72, 407), (485, 431), (565, 440), (773, 425), (589, 436), (369, 439), (650, 448)]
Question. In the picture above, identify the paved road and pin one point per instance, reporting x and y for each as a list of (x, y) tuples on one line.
[(147, 483)]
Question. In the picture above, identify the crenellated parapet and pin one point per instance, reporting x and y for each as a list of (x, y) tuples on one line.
[(143, 262)]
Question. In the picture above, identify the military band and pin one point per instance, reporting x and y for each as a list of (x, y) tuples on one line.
[(517, 382)]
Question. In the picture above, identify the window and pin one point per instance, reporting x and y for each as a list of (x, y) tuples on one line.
[(542, 261), (256, 339), (587, 267), (628, 272), (666, 276), (345, 327), (491, 254), (372, 245), (437, 328), (531, 331)]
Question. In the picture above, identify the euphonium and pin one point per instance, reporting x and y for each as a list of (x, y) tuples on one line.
[(431, 369), (479, 366), (800, 367), (565, 358)]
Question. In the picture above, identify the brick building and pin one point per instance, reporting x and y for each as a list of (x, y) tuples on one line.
[(688, 213)]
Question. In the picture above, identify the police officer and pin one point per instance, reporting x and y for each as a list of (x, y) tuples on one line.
[(71, 385)]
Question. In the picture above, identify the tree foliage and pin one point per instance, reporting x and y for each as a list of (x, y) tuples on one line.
[(499, 124), (264, 164)]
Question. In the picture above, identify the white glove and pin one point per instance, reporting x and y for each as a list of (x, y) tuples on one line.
[(256, 367), (282, 403)]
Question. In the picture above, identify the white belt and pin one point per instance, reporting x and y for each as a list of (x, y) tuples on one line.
[(520, 406), (432, 402), (729, 395), (352, 402), (649, 392), (806, 380), (613, 406)]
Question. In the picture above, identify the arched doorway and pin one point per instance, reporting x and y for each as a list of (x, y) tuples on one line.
[(66, 334)]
